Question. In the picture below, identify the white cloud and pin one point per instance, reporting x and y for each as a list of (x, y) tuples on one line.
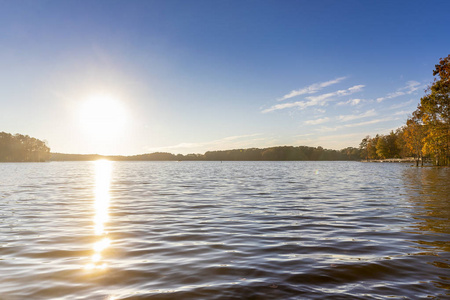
[(300, 104), (335, 128), (319, 100), (367, 122), (340, 135), (351, 102), (346, 118), (318, 121), (403, 112), (328, 129), (400, 105), (311, 89), (409, 88)]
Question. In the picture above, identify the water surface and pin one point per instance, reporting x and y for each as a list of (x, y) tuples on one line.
[(231, 230)]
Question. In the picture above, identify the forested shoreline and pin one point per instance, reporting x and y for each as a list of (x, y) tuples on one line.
[(22, 148), (282, 153), (426, 132)]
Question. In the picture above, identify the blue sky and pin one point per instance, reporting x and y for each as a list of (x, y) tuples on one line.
[(193, 76)]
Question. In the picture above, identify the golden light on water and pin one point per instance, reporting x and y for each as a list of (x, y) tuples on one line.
[(101, 204), (103, 169), (101, 245)]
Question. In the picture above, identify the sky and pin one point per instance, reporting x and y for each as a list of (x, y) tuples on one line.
[(132, 77)]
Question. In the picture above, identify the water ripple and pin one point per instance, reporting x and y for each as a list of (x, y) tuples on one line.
[(232, 230)]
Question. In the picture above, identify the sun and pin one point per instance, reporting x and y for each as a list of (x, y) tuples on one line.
[(103, 116)]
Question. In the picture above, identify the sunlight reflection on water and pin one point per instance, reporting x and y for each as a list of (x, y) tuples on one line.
[(232, 230), (103, 169)]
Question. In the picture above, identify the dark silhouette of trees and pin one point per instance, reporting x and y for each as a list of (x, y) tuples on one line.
[(22, 148), (363, 147), (153, 156), (284, 153)]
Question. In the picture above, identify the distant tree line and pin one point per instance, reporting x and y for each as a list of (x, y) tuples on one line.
[(22, 148), (286, 153), (426, 132)]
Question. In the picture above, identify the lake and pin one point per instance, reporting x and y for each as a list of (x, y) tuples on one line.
[(231, 230)]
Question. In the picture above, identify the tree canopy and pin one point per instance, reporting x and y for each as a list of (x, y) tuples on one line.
[(21, 148)]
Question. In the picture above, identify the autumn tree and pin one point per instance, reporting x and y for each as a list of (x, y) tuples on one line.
[(402, 149), (414, 134), (372, 147), (427, 131), (382, 148), (386, 146), (435, 112)]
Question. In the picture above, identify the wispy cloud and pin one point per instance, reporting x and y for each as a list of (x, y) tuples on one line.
[(328, 128), (317, 121), (315, 100), (346, 118), (320, 99), (340, 135), (400, 105), (402, 113), (351, 102), (409, 88), (368, 122), (335, 128), (311, 89)]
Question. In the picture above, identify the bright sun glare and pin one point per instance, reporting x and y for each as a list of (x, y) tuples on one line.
[(103, 116)]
